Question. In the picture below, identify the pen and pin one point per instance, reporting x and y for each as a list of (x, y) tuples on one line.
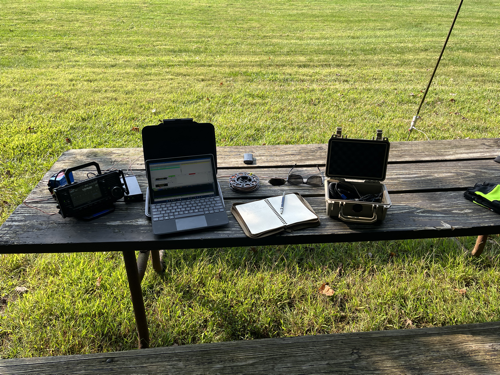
[(282, 203)]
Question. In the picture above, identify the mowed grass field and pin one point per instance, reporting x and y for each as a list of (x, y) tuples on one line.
[(84, 74)]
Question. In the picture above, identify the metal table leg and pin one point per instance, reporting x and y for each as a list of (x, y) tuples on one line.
[(142, 263), (156, 257), (137, 300)]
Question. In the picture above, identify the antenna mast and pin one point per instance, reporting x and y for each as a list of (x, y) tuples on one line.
[(416, 117)]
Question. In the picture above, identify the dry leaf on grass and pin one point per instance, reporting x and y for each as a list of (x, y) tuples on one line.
[(326, 290), (21, 290)]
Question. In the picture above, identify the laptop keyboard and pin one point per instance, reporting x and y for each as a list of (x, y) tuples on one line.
[(186, 208)]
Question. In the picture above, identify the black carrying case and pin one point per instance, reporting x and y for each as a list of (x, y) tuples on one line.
[(178, 137), (356, 169)]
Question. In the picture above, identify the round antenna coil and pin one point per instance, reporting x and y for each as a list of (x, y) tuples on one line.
[(244, 182)]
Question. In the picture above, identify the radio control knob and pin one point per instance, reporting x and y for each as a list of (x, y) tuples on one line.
[(117, 192)]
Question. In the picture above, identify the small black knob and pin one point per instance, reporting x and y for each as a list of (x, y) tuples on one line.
[(117, 192)]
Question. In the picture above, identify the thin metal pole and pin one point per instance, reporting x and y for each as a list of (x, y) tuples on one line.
[(415, 118), (137, 300)]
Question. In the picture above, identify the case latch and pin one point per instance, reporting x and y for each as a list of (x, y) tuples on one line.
[(379, 136), (339, 132)]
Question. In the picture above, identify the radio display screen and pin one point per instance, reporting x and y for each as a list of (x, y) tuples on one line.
[(87, 193)]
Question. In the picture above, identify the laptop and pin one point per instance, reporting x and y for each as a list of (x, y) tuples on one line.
[(184, 194)]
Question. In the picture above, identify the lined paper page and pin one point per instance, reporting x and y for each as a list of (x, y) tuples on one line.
[(294, 210), (259, 217)]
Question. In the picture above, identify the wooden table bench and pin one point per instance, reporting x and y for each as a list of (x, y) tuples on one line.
[(461, 349), (426, 181)]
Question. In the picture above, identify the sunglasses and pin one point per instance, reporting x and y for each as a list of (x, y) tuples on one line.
[(296, 179)]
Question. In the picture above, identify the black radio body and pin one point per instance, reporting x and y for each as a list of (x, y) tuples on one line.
[(93, 197)]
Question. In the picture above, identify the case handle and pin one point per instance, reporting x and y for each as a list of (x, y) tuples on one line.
[(69, 170), (357, 219)]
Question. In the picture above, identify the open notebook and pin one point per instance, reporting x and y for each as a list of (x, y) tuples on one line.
[(262, 218)]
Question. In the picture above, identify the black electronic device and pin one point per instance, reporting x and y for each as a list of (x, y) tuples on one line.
[(135, 193), (248, 158), (93, 197), (177, 137)]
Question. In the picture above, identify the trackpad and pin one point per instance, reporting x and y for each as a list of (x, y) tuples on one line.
[(191, 222)]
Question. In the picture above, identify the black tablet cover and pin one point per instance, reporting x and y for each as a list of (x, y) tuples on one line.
[(178, 137)]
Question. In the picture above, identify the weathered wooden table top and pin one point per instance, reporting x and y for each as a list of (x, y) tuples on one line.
[(425, 180)]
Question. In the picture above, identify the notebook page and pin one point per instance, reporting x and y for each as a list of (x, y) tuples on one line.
[(294, 210), (259, 217)]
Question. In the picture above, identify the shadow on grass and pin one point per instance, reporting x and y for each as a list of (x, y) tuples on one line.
[(269, 292)]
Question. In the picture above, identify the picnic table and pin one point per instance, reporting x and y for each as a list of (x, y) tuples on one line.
[(426, 181)]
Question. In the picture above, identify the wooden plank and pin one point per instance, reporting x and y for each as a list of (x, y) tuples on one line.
[(456, 149), (287, 155), (415, 215), (462, 349), (276, 155), (450, 175)]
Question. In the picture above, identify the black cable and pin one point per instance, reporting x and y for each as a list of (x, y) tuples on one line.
[(412, 126)]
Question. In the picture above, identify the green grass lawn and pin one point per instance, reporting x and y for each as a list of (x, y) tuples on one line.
[(263, 72)]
